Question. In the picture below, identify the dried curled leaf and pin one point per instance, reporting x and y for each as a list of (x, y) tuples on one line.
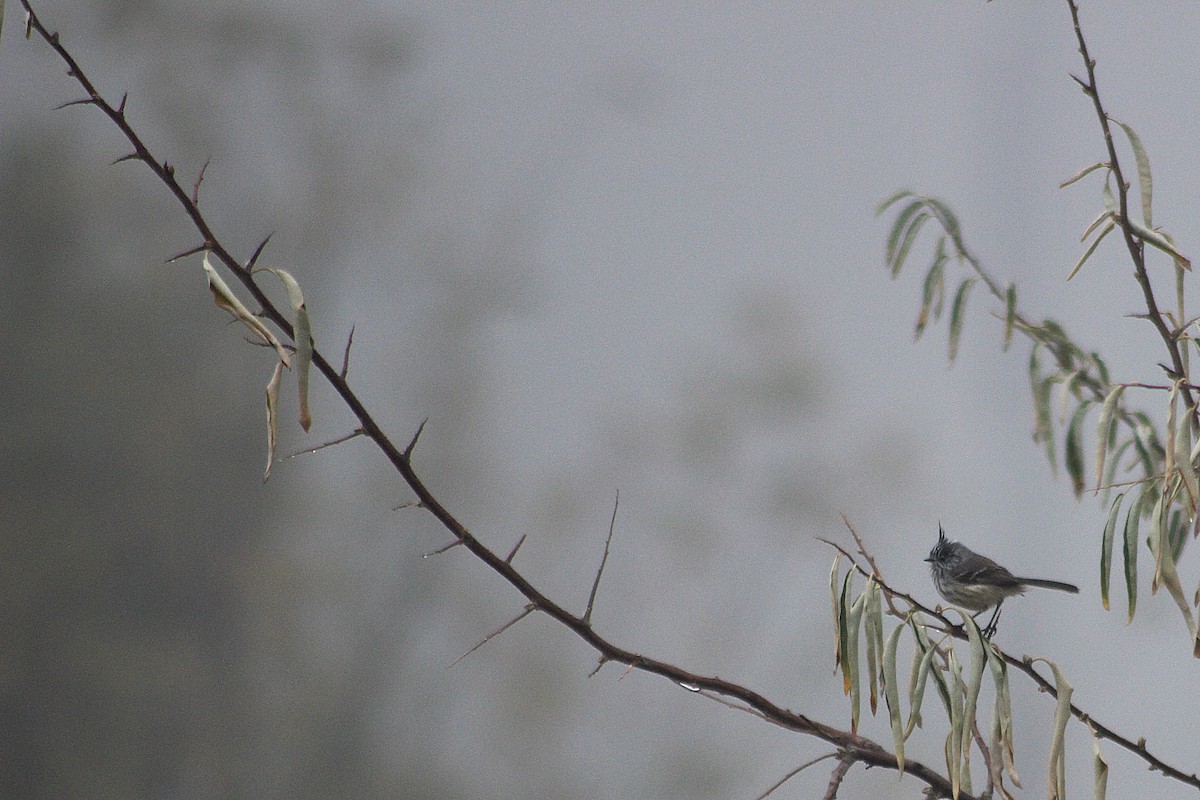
[(224, 297)]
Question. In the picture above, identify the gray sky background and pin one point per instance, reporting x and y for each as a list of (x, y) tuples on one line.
[(600, 247)]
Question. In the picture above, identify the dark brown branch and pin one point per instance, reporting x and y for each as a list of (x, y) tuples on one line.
[(839, 772)]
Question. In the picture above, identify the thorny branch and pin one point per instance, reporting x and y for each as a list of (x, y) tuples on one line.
[(853, 748), (856, 748)]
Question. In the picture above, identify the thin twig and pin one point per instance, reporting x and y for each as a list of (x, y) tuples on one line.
[(529, 609), (794, 773), (587, 615), (870, 560)]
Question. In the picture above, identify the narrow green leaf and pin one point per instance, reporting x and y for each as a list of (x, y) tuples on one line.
[(1104, 429), (1132, 517), (1106, 549), (1083, 173), (1114, 462), (1046, 391), (1160, 241), (1003, 713), (1165, 574), (1101, 368), (946, 217), (933, 291), (1062, 715), (304, 342), (1100, 219), (1146, 441), (272, 416), (906, 243), (974, 681), (924, 667), (837, 608), (904, 229), (958, 315), (1073, 452), (872, 614), (1010, 314), (304, 351), (1100, 768), (844, 631), (1043, 423), (891, 694), (851, 660), (957, 723), (1183, 461), (1145, 183), (1106, 196), (1091, 248), (888, 203)]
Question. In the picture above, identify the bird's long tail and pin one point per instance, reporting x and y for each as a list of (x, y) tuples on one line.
[(1045, 584)]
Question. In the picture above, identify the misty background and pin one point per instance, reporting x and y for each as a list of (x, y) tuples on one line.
[(600, 247)]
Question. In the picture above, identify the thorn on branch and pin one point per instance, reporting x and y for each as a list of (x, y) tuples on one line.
[(28, 25), (86, 101), (129, 157), (409, 504), (346, 354), (599, 665), (355, 433), (508, 559), (441, 550), (199, 180), (121, 105), (529, 609), (408, 450), (257, 251), (191, 251), (587, 615)]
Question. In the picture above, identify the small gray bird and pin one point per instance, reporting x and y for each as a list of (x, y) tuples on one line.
[(977, 583)]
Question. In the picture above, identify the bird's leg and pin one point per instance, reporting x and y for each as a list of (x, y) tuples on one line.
[(990, 629)]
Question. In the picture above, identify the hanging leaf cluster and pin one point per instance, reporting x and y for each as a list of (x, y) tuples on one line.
[(300, 356)]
